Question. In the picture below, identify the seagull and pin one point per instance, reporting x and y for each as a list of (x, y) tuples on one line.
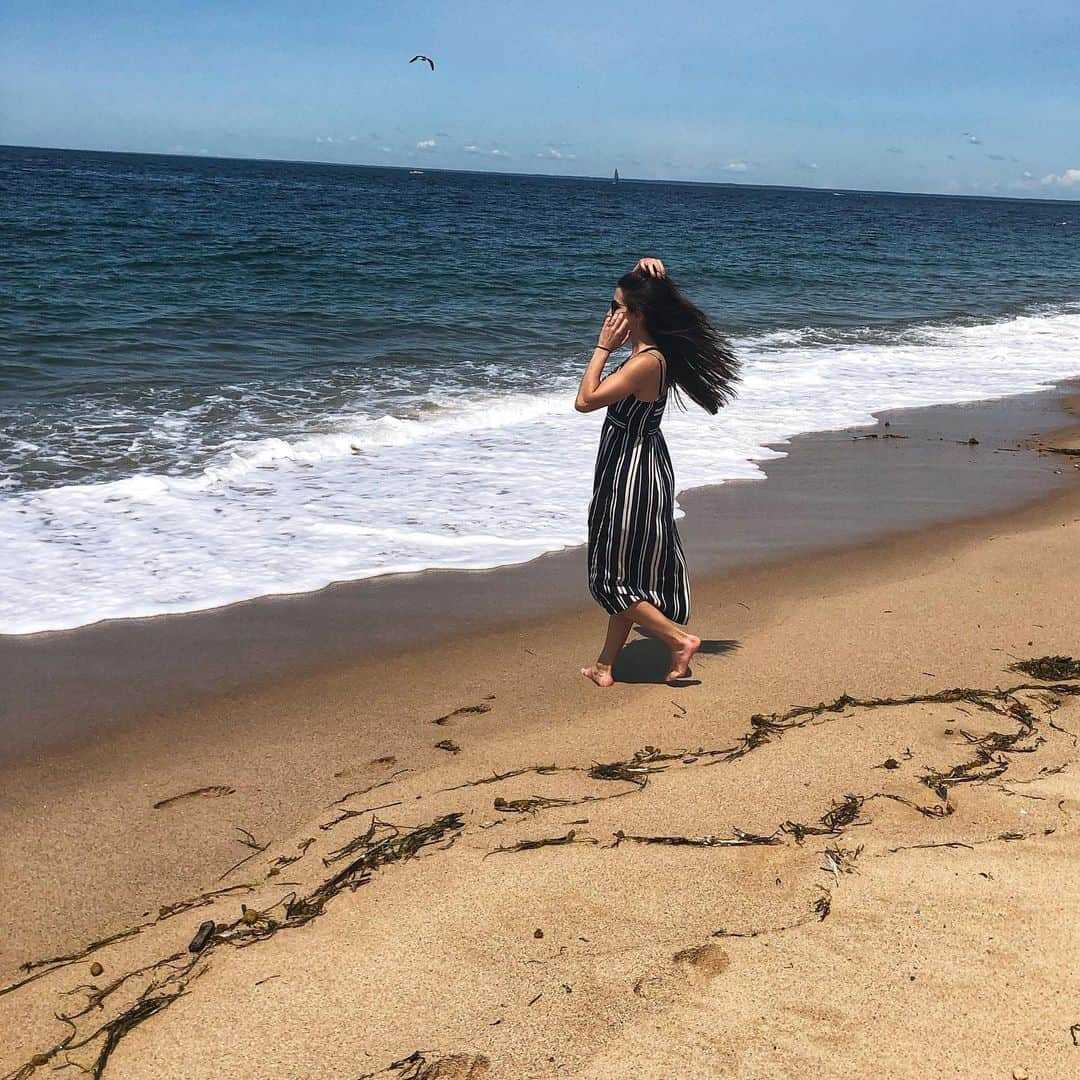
[(426, 59)]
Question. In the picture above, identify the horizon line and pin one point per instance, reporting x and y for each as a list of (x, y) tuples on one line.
[(547, 176)]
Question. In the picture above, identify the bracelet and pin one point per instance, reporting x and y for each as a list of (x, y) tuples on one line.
[(604, 347)]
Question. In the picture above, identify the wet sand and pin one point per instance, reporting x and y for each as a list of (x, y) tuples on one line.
[(832, 489), (909, 915)]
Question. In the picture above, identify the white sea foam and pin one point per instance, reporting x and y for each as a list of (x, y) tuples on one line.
[(497, 480)]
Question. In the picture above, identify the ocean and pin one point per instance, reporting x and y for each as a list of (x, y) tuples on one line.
[(223, 379)]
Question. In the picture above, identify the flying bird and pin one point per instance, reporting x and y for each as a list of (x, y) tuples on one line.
[(426, 59)]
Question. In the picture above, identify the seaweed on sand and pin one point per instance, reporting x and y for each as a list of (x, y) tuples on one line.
[(248, 841), (635, 771), (282, 861), (740, 839), (982, 767), (153, 999), (553, 841), (496, 778), (371, 787), (530, 805), (840, 860), (538, 802), (832, 822), (170, 977), (1050, 668), (383, 843), (417, 1067), (764, 726)]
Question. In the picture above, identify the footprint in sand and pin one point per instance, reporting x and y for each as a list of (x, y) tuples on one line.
[(702, 962), (215, 791), (353, 770), (456, 1067), (465, 710), (695, 966)]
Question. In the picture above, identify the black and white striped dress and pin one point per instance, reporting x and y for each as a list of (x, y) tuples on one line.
[(634, 547)]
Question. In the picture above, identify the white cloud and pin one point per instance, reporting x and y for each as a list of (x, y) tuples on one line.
[(1028, 175), (552, 153), (352, 138), (499, 153), (387, 150), (426, 144), (736, 166), (1064, 179), (472, 148)]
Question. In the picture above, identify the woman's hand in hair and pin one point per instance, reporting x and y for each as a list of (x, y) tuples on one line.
[(615, 331), (651, 266)]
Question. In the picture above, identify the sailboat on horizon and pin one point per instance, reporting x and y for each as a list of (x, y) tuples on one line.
[(615, 178)]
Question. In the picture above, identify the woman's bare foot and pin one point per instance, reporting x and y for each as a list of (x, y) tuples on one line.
[(680, 657), (599, 673)]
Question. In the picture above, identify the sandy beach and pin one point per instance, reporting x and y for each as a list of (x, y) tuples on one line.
[(847, 846)]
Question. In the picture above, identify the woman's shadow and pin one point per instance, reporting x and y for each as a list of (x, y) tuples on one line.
[(646, 659)]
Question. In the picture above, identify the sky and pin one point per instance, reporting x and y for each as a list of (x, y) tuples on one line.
[(951, 96)]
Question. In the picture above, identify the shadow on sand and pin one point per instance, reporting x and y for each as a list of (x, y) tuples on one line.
[(646, 659)]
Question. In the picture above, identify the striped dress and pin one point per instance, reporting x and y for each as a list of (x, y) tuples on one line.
[(634, 547)]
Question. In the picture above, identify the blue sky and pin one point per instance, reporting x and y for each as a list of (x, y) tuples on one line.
[(949, 96)]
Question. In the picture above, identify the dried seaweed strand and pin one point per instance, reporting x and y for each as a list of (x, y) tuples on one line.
[(282, 861), (495, 778), (740, 839), (97, 995), (392, 778), (764, 726), (938, 811), (248, 841), (832, 822), (403, 845), (554, 841), (538, 802), (253, 926)]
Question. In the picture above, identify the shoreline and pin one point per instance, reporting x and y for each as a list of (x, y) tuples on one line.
[(943, 900), (831, 489)]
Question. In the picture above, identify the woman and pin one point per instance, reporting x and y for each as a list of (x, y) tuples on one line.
[(637, 572)]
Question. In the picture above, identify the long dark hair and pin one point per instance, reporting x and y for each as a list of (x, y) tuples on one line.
[(700, 360)]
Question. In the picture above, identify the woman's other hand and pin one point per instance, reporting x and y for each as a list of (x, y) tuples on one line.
[(615, 331), (651, 266)]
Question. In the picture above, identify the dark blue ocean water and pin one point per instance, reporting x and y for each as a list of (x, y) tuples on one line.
[(243, 377)]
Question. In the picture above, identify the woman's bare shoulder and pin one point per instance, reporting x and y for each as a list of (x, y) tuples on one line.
[(648, 372)]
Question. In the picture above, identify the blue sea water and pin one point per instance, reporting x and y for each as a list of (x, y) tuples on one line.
[(222, 379)]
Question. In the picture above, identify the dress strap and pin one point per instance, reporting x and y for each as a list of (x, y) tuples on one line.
[(663, 368)]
